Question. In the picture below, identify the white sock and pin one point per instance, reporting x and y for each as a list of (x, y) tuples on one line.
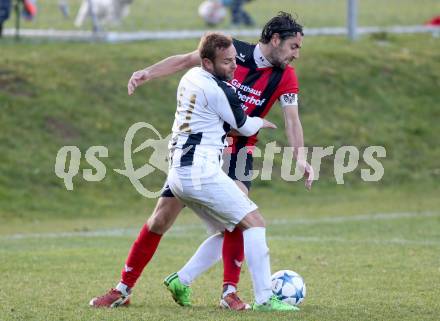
[(229, 289), (208, 253), (258, 261), (121, 287)]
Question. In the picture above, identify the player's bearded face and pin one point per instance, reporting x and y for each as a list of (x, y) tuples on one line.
[(224, 64), (286, 51)]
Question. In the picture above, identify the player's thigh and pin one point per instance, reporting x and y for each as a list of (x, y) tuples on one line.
[(242, 187), (166, 211), (223, 200)]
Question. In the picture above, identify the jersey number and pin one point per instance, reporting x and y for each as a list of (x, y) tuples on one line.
[(192, 102)]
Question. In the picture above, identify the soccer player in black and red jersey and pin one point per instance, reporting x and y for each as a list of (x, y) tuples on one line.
[(262, 77)]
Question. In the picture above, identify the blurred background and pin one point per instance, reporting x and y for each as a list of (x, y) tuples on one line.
[(173, 15)]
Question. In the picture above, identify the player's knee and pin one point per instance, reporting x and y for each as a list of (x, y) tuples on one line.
[(164, 215), (259, 220), (253, 219), (159, 222)]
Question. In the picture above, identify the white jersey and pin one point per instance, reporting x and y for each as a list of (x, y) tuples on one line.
[(207, 108)]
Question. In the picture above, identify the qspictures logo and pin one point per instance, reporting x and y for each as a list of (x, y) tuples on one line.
[(346, 160), (158, 160)]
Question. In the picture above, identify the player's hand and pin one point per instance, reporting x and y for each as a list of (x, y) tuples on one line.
[(309, 174), (268, 124), (138, 78)]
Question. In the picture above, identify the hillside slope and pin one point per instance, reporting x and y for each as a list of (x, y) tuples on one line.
[(380, 91)]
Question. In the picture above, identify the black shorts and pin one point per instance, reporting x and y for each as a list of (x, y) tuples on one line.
[(166, 191), (237, 169)]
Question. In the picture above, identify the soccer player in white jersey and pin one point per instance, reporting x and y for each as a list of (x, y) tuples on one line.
[(207, 109)]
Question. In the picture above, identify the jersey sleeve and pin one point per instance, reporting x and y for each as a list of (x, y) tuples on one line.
[(289, 88), (228, 107)]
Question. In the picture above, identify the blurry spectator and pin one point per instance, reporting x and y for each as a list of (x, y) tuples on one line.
[(29, 9), (238, 15), (434, 22), (105, 11), (64, 8), (5, 8)]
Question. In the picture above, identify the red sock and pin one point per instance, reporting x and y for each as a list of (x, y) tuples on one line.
[(140, 254), (233, 256)]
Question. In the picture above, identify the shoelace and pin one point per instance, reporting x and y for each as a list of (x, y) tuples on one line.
[(111, 291), (236, 298)]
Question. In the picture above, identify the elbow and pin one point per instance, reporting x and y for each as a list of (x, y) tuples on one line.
[(246, 132), (251, 126)]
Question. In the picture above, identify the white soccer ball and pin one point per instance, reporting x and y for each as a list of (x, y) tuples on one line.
[(212, 12), (289, 287)]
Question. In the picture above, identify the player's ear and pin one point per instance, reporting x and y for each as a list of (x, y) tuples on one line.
[(275, 40), (208, 64)]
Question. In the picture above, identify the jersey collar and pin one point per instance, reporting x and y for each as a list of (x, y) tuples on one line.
[(259, 58), (207, 73)]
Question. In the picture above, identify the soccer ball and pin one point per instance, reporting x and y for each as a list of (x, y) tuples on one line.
[(212, 12), (289, 287)]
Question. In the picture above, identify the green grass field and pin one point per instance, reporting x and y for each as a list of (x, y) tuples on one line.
[(359, 264), (147, 15), (368, 251)]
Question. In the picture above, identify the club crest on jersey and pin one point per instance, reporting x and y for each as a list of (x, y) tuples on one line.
[(290, 99)]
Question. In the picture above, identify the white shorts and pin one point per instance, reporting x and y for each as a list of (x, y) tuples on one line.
[(211, 194)]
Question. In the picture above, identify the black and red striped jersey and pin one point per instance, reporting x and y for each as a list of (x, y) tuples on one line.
[(258, 85)]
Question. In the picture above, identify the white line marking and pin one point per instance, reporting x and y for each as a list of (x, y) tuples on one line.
[(355, 218), (182, 230), (121, 36), (312, 239)]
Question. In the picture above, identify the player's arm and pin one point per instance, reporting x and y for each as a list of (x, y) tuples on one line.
[(163, 68), (245, 125), (228, 107), (295, 138), (294, 130), (253, 124)]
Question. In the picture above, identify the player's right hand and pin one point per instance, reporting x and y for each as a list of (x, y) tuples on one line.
[(309, 173), (268, 124), (138, 78)]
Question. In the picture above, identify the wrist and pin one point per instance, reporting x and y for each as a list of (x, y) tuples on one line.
[(147, 73), (298, 153)]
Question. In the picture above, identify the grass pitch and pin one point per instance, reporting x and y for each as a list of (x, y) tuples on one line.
[(358, 264)]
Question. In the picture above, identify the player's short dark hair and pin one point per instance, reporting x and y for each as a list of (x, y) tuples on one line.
[(282, 24), (212, 41)]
